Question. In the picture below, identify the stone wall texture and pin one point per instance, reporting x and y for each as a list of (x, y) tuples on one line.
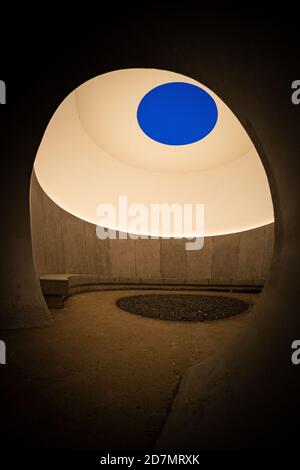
[(63, 243)]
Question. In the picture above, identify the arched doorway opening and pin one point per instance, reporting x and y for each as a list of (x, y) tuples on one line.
[(72, 249), (265, 344)]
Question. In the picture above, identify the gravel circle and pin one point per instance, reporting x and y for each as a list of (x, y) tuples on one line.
[(178, 307)]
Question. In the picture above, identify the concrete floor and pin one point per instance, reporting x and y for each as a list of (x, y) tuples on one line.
[(100, 377)]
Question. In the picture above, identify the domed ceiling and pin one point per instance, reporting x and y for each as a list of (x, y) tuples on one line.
[(157, 137)]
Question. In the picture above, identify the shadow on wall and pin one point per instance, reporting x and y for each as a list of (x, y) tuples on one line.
[(63, 243)]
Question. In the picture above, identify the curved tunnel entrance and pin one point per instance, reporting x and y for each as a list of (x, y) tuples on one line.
[(75, 176), (224, 278), (240, 371)]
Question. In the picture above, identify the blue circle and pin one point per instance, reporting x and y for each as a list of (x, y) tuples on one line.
[(177, 113)]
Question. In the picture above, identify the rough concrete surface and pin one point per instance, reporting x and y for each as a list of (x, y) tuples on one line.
[(100, 377), (63, 243)]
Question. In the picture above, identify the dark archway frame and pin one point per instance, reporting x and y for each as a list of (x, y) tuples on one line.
[(246, 396)]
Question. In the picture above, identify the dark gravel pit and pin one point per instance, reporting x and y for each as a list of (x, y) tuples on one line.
[(178, 307)]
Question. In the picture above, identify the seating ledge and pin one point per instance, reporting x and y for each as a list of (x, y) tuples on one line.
[(57, 287)]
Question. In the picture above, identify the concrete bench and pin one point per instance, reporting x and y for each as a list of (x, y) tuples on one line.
[(58, 287)]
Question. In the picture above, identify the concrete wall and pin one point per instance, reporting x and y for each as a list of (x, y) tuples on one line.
[(63, 243), (248, 395)]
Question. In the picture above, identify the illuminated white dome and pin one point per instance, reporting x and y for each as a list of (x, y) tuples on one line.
[(94, 150)]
